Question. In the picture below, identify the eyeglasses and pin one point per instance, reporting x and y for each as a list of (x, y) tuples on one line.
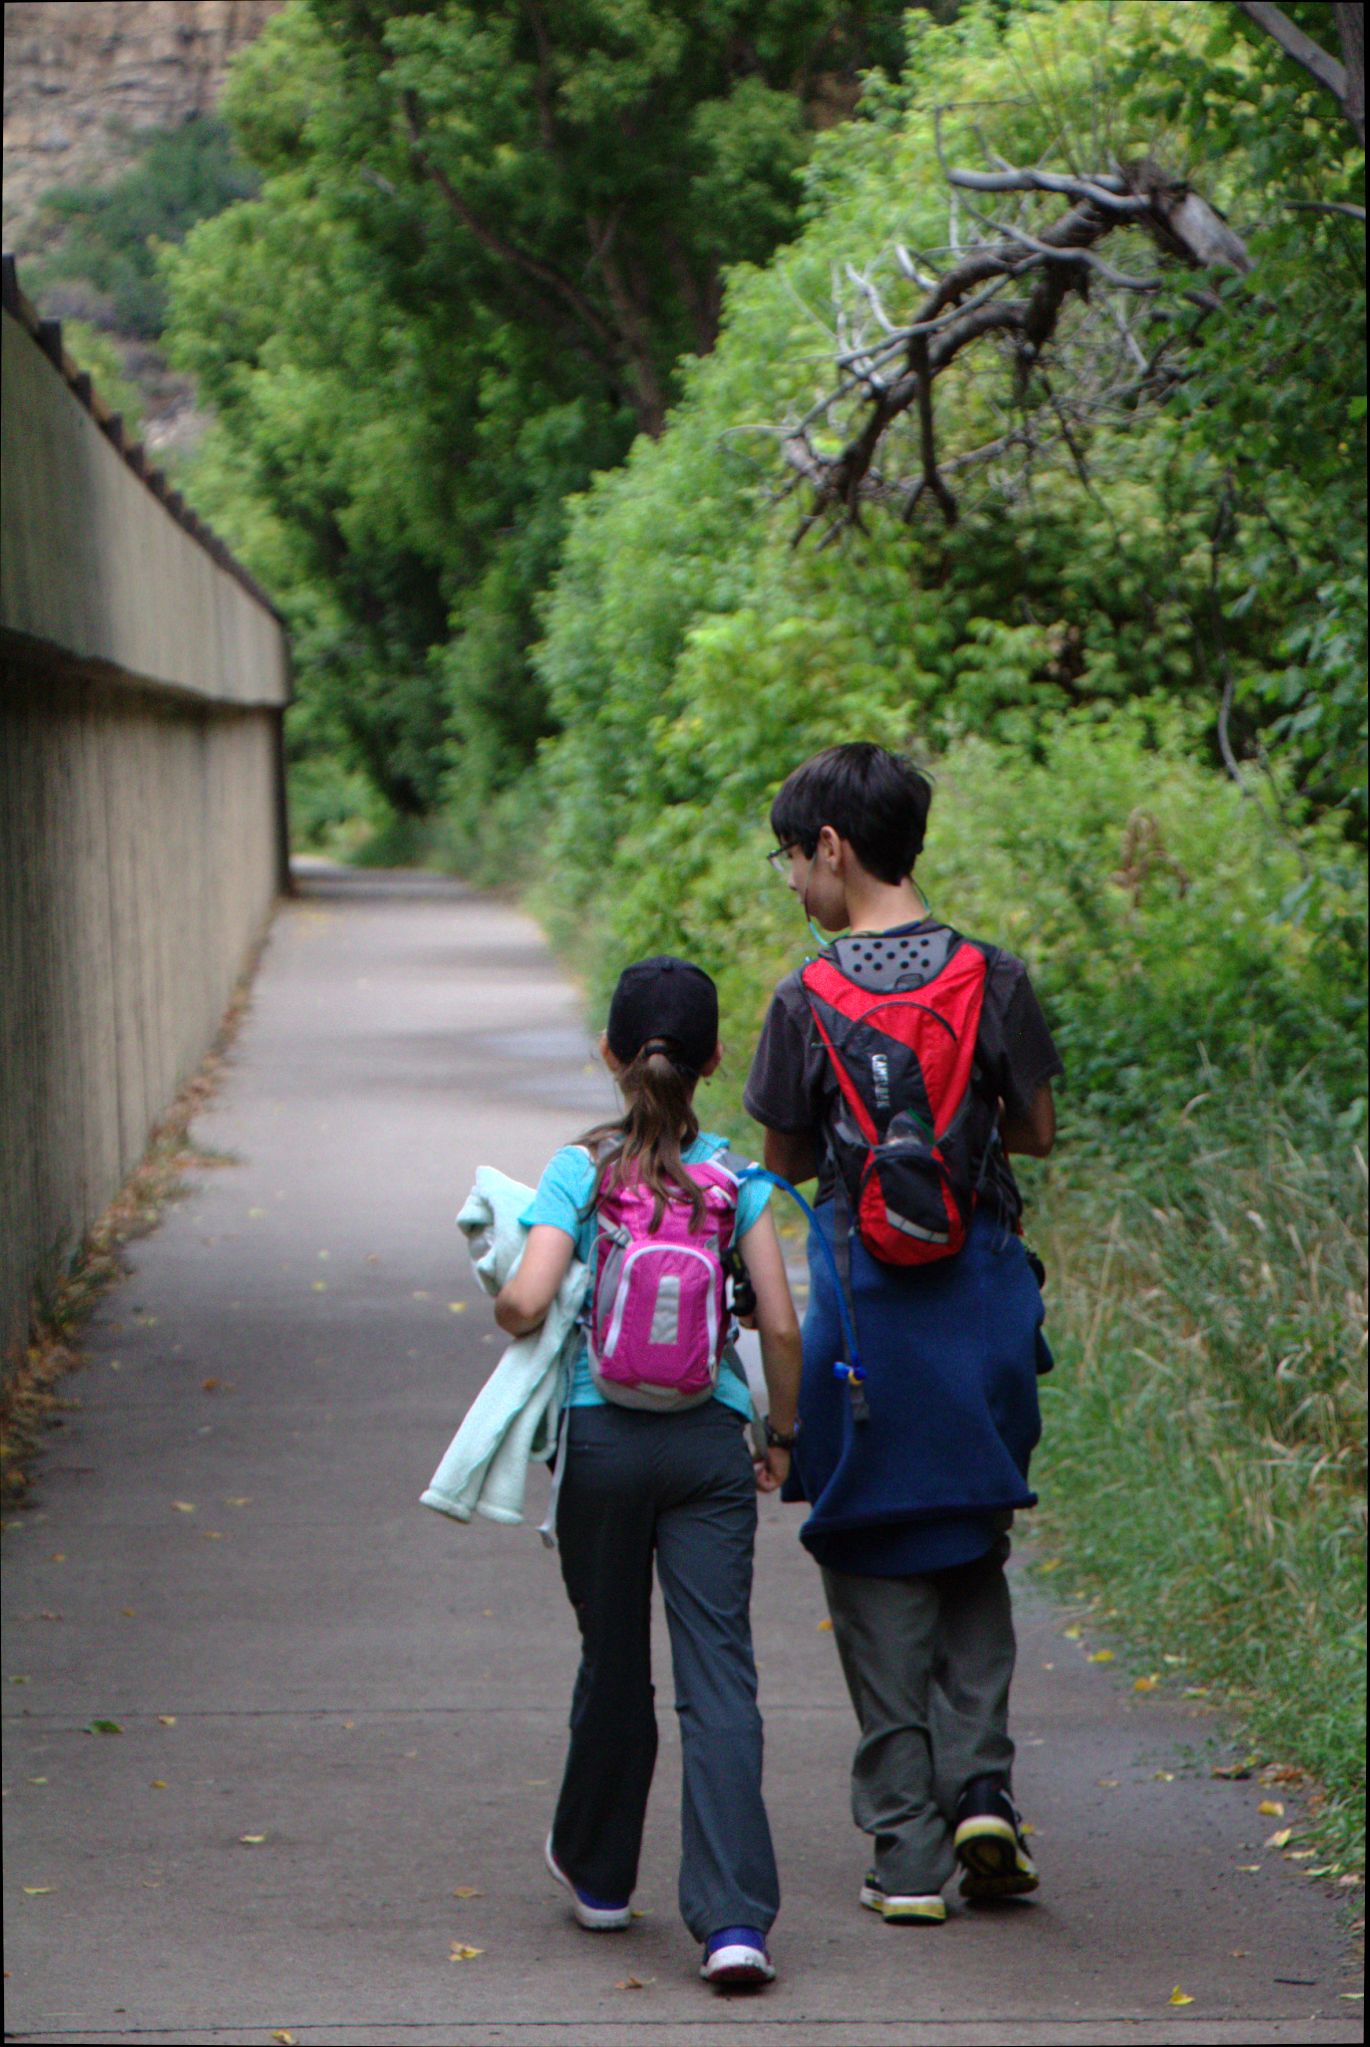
[(777, 858)]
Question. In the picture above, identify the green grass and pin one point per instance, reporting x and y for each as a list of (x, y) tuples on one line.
[(1203, 1458)]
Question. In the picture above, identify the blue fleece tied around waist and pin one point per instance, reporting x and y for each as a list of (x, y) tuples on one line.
[(952, 1353)]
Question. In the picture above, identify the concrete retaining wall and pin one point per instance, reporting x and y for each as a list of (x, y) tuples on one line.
[(141, 686)]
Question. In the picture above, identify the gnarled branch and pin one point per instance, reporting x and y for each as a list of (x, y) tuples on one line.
[(895, 367)]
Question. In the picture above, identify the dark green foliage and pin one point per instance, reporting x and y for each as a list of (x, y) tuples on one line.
[(485, 235), (111, 233)]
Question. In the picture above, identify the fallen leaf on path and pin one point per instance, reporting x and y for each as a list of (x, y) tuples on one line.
[(1248, 1868), (159, 1784), (182, 1507), (1172, 1659), (1270, 1809), (1231, 1770), (212, 1534), (254, 1212), (1300, 1855), (38, 1780), (320, 1286), (209, 1385), (462, 1953), (21, 1680), (1101, 1656), (457, 1307), (130, 1613), (538, 1783), (1280, 1838), (1178, 1996), (635, 1983), (1073, 1634), (1050, 1564), (1145, 1684), (825, 1627), (283, 2039), (1164, 1776), (1027, 1827), (252, 1840), (103, 1727), (467, 1891), (166, 1719), (38, 1890), (1351, 1879), (1108, 1783), (634, 1913), (58, 1557)]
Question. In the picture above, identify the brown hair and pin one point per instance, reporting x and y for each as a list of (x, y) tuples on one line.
[(646, 1142)]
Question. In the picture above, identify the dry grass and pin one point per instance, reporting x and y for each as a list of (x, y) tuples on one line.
[(31, 1398)]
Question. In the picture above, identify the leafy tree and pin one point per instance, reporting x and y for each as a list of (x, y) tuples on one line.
[(110, 234), (485, 235), (1196, 564)]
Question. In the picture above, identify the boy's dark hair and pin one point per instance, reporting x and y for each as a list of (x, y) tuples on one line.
[(878, 801)]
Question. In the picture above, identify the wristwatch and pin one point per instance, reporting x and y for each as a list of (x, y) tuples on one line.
[(776, 1439)]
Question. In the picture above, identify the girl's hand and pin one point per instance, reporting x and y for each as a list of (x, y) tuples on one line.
[(772, 1469)]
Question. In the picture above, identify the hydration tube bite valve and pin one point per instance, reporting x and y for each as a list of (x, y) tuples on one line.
[(855, 1377)]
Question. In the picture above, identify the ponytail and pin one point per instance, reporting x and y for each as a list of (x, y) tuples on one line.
[(647, 1142)]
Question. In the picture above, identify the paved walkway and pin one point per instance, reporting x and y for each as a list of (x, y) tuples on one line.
[(340, 1712)]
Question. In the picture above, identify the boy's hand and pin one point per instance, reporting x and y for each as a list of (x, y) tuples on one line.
[(772, 1469)]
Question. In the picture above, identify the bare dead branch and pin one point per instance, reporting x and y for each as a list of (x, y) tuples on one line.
[(1122, 278), (1315, 60), (1108, 192), (1325, 206), (1014, 280)]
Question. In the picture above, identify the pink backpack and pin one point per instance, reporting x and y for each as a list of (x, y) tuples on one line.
[(658, 1318)]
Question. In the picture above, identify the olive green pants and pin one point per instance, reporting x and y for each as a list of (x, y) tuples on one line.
[(928, 1662)]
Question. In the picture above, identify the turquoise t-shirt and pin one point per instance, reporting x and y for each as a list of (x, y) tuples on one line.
[(560, 1200)]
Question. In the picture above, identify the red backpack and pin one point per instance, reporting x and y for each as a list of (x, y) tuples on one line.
[(899, 1015)]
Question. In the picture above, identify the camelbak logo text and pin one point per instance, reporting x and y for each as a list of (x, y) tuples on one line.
[(880, 1074)]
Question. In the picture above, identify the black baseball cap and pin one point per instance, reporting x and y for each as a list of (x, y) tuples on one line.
[(665, 998)]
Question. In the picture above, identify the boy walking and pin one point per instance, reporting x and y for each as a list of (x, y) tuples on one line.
[(903, 1066)]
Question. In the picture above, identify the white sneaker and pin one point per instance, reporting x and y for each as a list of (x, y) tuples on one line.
[(736, 1959), (592, 1913), (902, 1909)]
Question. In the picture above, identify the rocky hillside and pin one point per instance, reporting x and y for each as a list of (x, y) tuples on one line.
[(86, 80)]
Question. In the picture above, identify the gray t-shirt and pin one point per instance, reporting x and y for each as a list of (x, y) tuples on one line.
[(792, 1086)]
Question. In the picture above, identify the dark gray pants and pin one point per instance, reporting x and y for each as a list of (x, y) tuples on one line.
[(928, 1662), (679, 1487)]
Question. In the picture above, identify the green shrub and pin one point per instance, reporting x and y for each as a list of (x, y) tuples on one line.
[(111, 233)]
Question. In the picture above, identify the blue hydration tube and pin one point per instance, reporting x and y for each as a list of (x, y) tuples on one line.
[(856, 1371)]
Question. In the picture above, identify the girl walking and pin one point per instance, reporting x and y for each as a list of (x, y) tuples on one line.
[(657, 1467)]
